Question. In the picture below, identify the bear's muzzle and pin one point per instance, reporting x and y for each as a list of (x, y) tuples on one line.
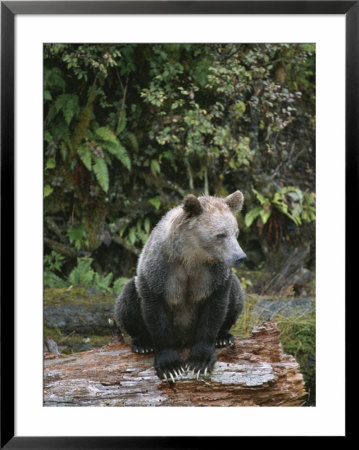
[(238, 260)]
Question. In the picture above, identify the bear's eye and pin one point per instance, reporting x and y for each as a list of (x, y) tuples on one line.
[(221, 235)]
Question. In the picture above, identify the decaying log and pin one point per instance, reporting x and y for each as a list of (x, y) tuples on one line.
[(255, 373)]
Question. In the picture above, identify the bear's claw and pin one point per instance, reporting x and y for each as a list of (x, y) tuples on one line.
[(141, 348), (185, 373), (201, 360), (170, 368), (168, 365), (195, 373), (225, 341), (172, 376)]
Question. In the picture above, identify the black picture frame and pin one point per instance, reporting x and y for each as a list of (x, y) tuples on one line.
[(9, 9)]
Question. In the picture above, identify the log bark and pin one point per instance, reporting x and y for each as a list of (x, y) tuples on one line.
[(255, 373)]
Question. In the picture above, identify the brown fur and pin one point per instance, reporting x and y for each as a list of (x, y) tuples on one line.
[(184, 292)]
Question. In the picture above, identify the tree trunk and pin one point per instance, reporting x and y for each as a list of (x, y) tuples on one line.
[(290, 274), (255, 373)]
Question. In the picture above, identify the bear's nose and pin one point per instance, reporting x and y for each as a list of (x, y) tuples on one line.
[(239, 259)]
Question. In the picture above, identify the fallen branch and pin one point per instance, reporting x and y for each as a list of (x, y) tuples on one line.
[(255, 373)]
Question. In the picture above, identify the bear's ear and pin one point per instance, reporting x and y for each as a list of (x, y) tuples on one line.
[(192, 205), (235, 201)]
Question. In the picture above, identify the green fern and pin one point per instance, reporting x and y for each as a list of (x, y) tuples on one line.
[(71, 108), (76, 235), (51, 280), (121, 123), (119, 151), (133, 140), (82, 274), (85, 155), (106, 134), (103, 282), (53, 78), (69, 105), (141, 234), (155, 167), (101, 172), (251, 215), (132, 236), (118, 285)]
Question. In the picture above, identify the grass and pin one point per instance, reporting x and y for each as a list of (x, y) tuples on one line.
[(297, 336)]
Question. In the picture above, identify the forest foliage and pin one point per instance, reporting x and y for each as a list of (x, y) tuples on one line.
[(129, 129)]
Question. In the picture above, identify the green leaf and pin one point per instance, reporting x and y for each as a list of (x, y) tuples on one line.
[(296, 219), (156, 202), (71, 108), (76, 233), (106, 134), (51, 280), (134, 142), (240, 109), (118, 285), (48, 190), (108, 279), (53, 78), (170, 157), (143, 236), (101, 172), (86, 156), (200, 73), (60, 101), (82, 274), (139, 225), (47, 95), (296, 196), (121, 123), (47, 136), (132, 235), (122, 230), (147, 225), (265, 215), (69, 104), (120, 152), (252, 215), (103, 282), (260, 197), (63, 150), (50, 164), (155, 167)]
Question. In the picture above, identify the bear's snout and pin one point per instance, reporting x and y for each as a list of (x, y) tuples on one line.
[(238, 260)]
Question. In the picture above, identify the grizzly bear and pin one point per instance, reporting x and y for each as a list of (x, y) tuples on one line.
[(184, 293)]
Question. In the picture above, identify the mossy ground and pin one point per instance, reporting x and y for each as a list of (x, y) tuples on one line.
[(86, 296), (73, 342), (76, 295), (297, 336)]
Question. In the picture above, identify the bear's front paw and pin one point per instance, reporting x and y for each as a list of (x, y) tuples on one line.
[(201, 359), (225, 340), (168, 365), (138, 346)]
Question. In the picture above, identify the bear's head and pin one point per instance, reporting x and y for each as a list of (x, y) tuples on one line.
[(209, 229)]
